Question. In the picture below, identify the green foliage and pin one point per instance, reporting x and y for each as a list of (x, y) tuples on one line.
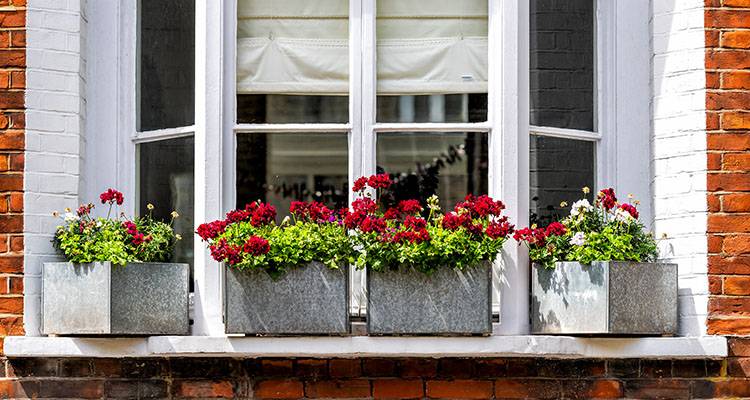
[(85, 239)]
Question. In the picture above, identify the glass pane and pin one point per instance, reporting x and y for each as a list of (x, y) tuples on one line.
[(450, 165), (166, 75), (560, 168), (292, 61), (166, 180), (432, 60), (562, 64), (279, 168)]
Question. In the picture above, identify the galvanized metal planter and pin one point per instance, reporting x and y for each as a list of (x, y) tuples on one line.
[(604, 298), (309, 300), (447, 302), (101, 298)]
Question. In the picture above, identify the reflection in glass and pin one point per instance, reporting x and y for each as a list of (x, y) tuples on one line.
[(292, 61), (562, 64), (450, 165), (432, 60), (166, 67), (166, 180), (560, 168), (279, 168)]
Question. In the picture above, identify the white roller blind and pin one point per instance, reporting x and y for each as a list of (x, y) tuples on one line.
[(301, 47)]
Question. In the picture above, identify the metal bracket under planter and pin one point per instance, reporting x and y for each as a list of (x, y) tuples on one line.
[(309, 300), (604, 298), (447, 302), (106, 299)]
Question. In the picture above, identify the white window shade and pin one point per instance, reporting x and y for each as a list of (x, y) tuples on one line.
[(301, 47)]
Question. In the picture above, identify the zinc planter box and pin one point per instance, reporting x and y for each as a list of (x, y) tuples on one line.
[(309, 300), (106, 299), (448, 302), (604, 298)]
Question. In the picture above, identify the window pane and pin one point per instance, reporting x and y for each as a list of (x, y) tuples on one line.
[(562, 64), (432, 61), (166, 180), (279, 168), (166, 73), (560, 168), (450, 165), (292, 61)]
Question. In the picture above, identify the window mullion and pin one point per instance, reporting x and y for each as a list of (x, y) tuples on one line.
[(369, 82)]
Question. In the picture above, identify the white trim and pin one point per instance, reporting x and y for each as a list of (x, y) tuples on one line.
[(163, 134), (209, 125), (558, 347), (605, 52), (432, 127), (274, 128), (564, 133)]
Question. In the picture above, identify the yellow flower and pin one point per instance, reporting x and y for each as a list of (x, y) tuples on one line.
[(178, 236), (630, 195), (586, 190), (150, 206), (175, 214), (67, 209), (564, 204)]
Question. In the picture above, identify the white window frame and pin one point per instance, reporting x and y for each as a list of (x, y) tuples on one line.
[(507, 126)]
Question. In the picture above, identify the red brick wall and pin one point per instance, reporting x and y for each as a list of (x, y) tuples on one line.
[(12, 125), (728, 124)]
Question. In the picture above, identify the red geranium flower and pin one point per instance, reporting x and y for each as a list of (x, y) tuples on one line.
[(608, 199), (630, 209), (111, 196), (380, 181), (556, 229), (263, 214), (410, 206), (256, 246), (359, 184), (211, 230)]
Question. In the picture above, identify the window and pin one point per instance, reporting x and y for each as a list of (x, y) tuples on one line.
[(165, 83), (562, 106)]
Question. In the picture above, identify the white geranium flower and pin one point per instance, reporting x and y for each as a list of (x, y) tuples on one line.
[(580, 207), (623, 216), (579, 239), (70, 217)]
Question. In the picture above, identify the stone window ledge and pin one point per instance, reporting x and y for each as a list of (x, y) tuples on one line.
[(705, 347)]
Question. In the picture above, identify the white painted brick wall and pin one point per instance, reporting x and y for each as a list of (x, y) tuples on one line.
[(55, 100), (679, 150)]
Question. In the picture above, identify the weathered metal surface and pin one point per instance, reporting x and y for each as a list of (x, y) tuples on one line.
[(99, 298), (447, 302), (310, 300), (617, 298)]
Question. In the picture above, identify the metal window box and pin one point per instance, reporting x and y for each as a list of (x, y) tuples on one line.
[(447, 302), (310, 300), (604, 298), (106, 299)]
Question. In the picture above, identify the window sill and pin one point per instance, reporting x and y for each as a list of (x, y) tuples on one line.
[(364, 346)]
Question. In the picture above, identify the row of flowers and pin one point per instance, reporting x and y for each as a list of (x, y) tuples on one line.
[(376, 232)]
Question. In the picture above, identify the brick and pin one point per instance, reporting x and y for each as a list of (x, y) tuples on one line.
[(18, 80), (378, 367), (737, 245), (397, 389), (11, 326), (714, 243), (10, 59), (460, 389), (713, 81), (456, 368), (728, 326), (312, 368), (712, 38), (723, 18), (724, 100), (12, 140), (735, 120), (351, 388), (528, 388), (11, 223), (10, 99), (203, 389), (728, 141), (736, 162), (735, 80), (17, 162), (32, 367), (723, 223), (737, 285), (736, 202), (277, 367), (739, 367), (736, 3), (739, 347), (279, 389), (11, 305), (345, 368), (12, 19), (571, 368), (715, 284), (599, 389), (16, 203), (143, 389), (735, 39), (19, 389), (712, 121), (729, 265), (657, 389), (720, 59), (625, 368), (418, 368), (84, 389), (76, 368), (733, 181), (728, 306), (202, 368), (16, 243), (18, 39)]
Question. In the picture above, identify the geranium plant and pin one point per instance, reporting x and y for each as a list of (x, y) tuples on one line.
[(251, 239), (605, 231), (83, 238), (418, 235)]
